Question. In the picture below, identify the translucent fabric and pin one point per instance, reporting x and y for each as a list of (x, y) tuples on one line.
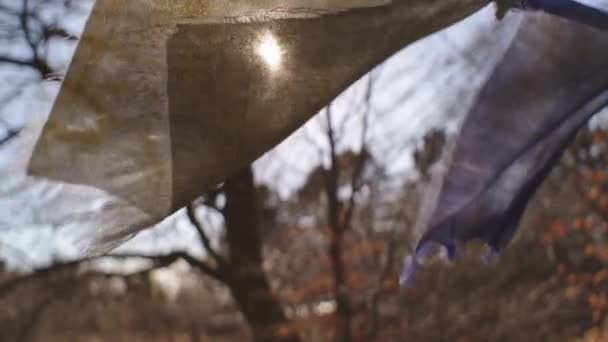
[(164, 99), (551, 80)]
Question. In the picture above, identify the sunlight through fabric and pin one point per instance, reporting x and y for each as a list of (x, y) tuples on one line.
[(269, 50)]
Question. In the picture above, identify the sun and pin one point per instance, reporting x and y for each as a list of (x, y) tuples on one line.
[(269, 50)]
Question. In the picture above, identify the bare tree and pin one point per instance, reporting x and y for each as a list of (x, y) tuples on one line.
[(239, 267), (350, 172), (30, 31), (30, 27)]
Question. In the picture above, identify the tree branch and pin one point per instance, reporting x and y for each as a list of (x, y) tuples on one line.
[(355, 181), (159, 261), (168, 259), (12, 133), (206, 242), (387, 271)]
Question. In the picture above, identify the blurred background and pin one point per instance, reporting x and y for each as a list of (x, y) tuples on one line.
[(307, 243)]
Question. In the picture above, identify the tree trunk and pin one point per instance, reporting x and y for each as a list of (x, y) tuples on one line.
[(246, 278), (343, 327), (343, 308)]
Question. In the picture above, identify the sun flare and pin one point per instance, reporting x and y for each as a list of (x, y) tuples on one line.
[(269, 50)]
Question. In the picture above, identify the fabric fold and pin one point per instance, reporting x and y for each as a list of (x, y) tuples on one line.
[(551, 80)]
